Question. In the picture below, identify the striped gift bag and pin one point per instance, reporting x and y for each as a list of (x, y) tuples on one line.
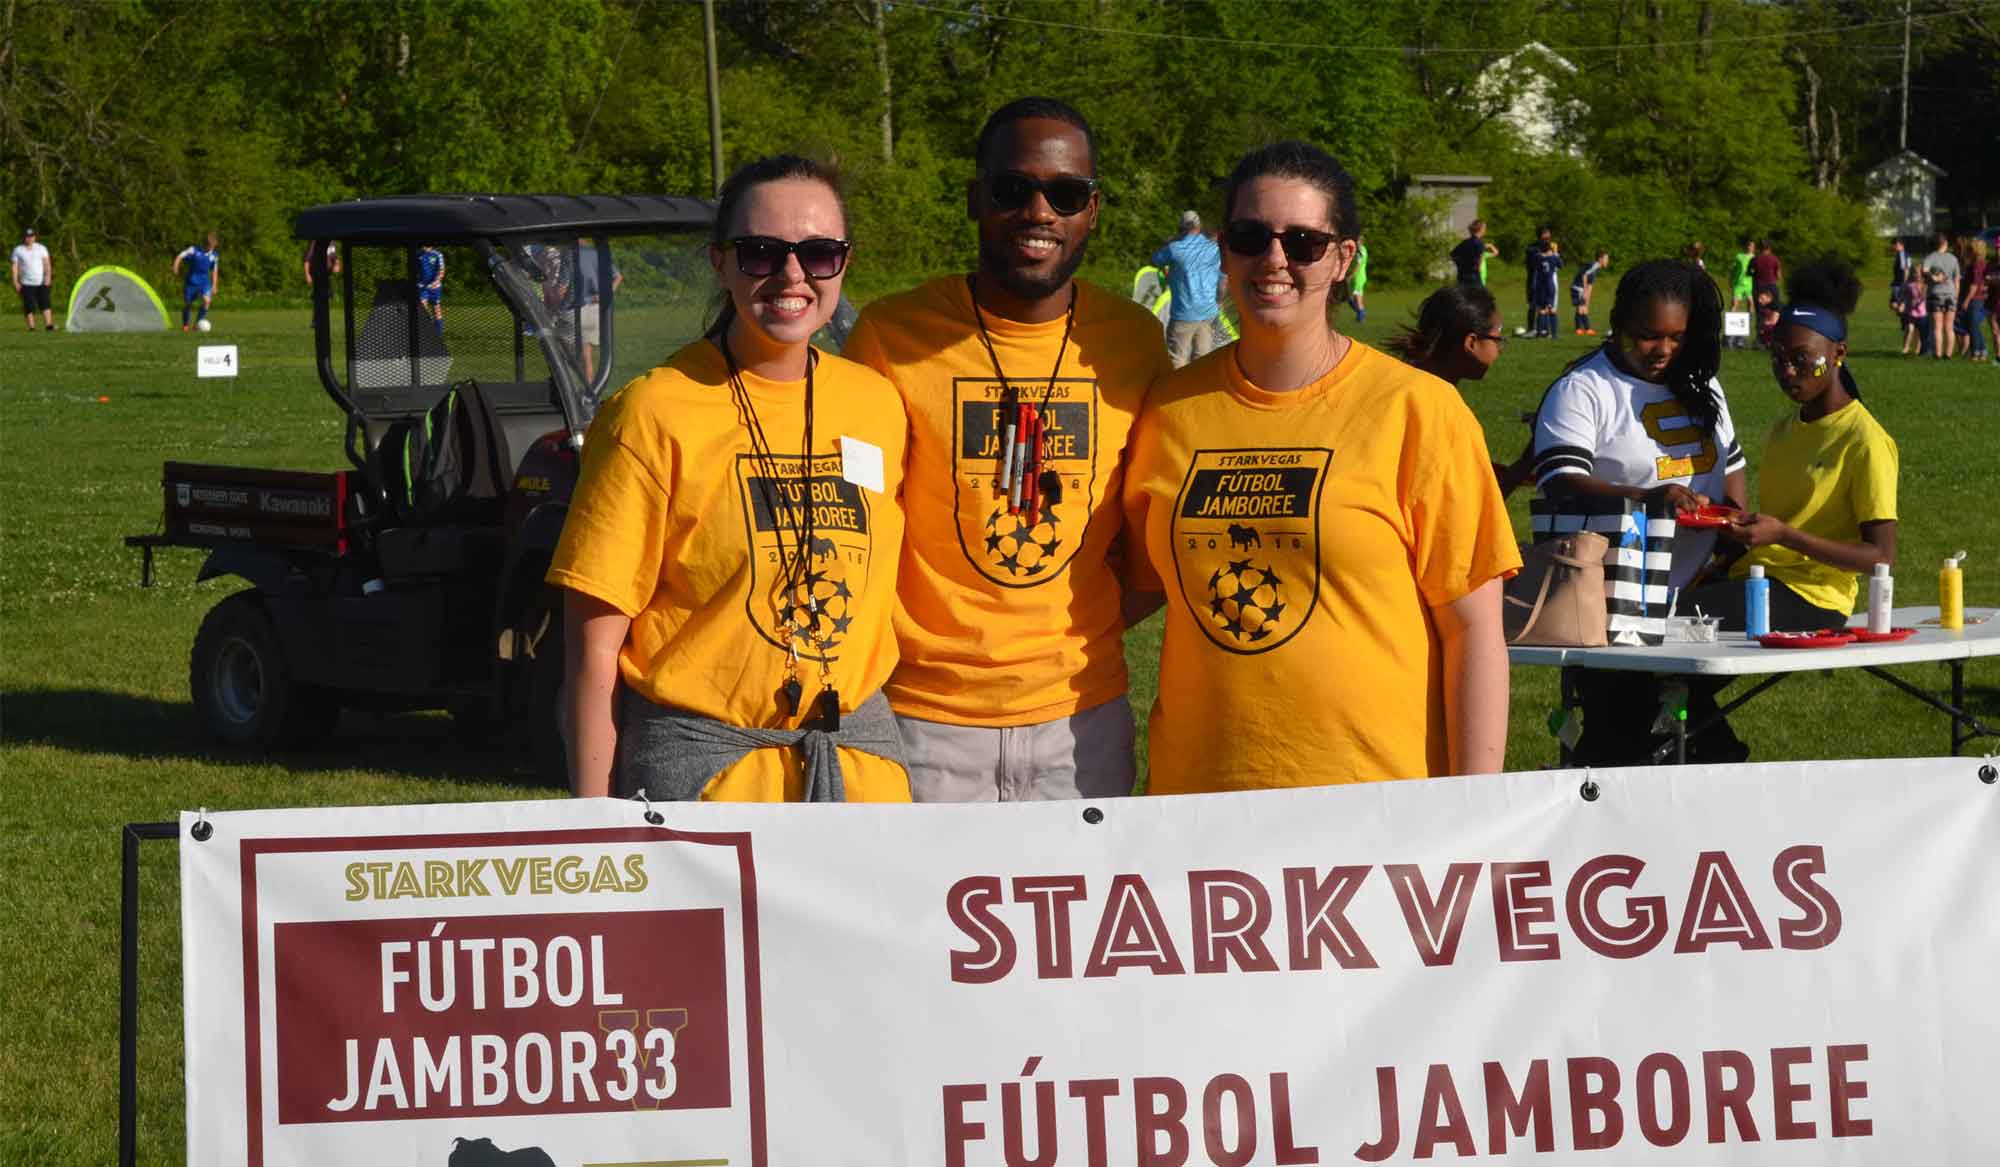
[(1636, 567)]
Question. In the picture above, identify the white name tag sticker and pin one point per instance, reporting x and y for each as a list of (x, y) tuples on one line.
[(215, 360), (861, 463), (1736, 324)]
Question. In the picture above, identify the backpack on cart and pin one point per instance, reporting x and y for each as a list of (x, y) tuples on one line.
[(451, 465)]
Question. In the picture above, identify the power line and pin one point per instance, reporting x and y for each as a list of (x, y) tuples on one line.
[(1418, 51)]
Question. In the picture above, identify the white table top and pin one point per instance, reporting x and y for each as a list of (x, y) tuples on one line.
[(1734, 655)]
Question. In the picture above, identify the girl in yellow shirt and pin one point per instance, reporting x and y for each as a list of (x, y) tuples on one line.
[(730, 552), (1322, 520)]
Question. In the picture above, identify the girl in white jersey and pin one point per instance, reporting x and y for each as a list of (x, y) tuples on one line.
[(1644, 418)]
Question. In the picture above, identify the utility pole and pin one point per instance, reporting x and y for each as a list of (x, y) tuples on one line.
[(714, 98), (1903, 128)]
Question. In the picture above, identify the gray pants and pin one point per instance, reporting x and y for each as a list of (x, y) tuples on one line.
[(1084, 755), (1189, 340)]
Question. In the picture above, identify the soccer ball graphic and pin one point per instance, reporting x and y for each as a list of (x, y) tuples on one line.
[(203, 326), (1019, 549), (824, 588), (1245, 601)]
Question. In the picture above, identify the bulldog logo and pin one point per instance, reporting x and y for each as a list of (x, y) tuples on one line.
[(999, 542), (1246, 543), (815, 610)]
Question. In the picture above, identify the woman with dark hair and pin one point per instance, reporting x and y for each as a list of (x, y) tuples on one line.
[(1643, 418), (1827, 484), (1827, 481), (1324, 515), (730, 552), (1457, 337)]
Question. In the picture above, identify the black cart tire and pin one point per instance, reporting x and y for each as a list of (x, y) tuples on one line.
[(545, 687), (243, 689)]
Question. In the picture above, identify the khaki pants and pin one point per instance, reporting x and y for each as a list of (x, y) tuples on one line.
[(1084, 755), (1189, 340)]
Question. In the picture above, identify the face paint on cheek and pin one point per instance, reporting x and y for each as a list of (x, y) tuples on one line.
[(1819, 366)]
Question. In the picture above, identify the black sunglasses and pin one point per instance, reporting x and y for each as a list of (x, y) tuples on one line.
[(819, 257), (1010, 190), (1247, 237)]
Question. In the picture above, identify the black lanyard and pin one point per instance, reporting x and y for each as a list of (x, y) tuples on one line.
[(1022, 480)]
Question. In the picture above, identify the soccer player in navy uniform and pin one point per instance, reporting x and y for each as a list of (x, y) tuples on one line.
[(1544, 261), (430, 283), (203, 278), (1581, 288)]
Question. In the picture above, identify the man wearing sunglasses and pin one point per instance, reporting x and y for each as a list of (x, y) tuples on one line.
[(1022, 383)]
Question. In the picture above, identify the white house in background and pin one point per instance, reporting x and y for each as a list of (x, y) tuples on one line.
[(1902, 192), (1526, 84)]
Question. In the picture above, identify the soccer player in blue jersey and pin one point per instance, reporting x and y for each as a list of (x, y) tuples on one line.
[(1581, 289), (430, 283), (203, 278), (1544, 262)]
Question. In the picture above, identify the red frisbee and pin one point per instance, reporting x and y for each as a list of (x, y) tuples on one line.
[(1805, 639), (1867, 637), (1707, 516)]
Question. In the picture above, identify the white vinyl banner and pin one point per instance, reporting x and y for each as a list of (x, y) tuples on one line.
[(1765, 964)]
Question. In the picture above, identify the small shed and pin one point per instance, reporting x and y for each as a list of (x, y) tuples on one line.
[(1458, 197), (1902, 192)]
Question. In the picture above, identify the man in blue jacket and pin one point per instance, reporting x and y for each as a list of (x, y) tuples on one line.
[(1193, 264)]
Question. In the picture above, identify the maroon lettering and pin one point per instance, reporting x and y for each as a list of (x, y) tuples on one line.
[(1231, 912), (1050, 896), (1132, 934), (1436, 924), (1733, 1097), (1159, 1108), (1843, 1090), (1646, 916), (1390, 1118), (1517, 912), (1012, 1135), (1241, 1108), (1094, 1091), (1593, 1095), (1787, 1094), (969, 904), (1680, 1115), (1794, 872), (1441, 1117), (1289, 1152), (1316, 917), (1718, 909), (1507, 1111), (959, 1130)]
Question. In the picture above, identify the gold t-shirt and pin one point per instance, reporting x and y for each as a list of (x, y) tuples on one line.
[(1302, 540), (1825, 477), (1002, 622), (675, 523)]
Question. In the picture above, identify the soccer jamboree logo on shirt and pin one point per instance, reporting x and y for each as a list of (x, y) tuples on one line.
[(816, 610), (1246, 543), (999, 540)]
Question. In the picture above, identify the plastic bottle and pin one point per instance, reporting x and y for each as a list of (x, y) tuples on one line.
[(1881, 598), (1756, 603), (1951, 593)]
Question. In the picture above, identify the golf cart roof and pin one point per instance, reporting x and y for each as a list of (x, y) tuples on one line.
[(449, 218)]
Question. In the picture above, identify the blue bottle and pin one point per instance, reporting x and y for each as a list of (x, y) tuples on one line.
[(1756, 603)]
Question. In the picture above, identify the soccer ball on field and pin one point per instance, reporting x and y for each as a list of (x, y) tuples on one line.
[(203, 325)]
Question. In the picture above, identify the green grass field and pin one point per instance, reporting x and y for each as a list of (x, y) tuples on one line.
[(98, 730)]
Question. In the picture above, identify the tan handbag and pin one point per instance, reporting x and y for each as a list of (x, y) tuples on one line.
[(1558, 597)]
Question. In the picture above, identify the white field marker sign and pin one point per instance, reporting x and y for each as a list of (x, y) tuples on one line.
[(1736, 324), (215, 360)]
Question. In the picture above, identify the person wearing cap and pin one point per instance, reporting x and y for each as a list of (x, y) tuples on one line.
[(34, 273), (1193, 264)]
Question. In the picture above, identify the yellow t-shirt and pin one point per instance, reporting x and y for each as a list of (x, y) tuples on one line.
[(1303, 539), (1001, 623), (1826, 478), (672, 524)]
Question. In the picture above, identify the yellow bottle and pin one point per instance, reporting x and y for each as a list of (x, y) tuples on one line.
[(1951, 594)]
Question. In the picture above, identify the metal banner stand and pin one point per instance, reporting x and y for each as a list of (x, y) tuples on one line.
[(128, 983)]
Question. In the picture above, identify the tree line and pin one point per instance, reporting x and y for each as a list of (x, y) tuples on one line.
[(128, 127)]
